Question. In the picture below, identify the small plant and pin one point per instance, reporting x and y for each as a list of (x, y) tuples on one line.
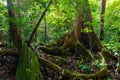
[(96, 63), (1, 51), (84, 66)]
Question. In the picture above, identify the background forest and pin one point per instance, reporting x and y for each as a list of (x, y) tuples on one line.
[(58, 20)]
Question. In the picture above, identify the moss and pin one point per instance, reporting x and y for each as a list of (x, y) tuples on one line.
[(66, 73), (1, 51), (54, 50)]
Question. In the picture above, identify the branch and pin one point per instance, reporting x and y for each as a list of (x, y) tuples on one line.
[(37, 25)]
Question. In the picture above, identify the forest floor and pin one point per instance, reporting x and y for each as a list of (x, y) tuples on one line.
[(75, 65), (8, 65)]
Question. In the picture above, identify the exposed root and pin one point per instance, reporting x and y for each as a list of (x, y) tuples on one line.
[(58, 51), (72, 75), (9, 51), (109, 56)]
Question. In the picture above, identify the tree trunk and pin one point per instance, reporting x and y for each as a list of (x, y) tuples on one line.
[(13, 28), (82, 40), (83, 30), (45, 31), (103, 4)]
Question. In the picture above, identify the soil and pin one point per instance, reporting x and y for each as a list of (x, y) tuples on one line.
[(8, 65)]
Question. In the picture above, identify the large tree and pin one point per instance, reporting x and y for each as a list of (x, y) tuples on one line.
[(83, 38), (82, 41), (25, 62)]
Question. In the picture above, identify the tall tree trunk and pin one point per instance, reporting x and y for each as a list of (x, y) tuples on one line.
[(45, 31), (83, 29), (13, 28), (103, 5), (83, 38)]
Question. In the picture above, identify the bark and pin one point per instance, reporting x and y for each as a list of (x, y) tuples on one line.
[(103, 5), (15, 36), (45, 31), (1, 38), (88, 39)]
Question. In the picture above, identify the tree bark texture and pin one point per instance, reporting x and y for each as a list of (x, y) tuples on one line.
[(103, 5), (83, 29), (13, 28)]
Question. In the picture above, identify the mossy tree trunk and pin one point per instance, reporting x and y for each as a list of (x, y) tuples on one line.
[(82, 39), (83, 32)]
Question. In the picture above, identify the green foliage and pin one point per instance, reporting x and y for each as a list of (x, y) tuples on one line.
[(59, 21), (113, 47), (96, 63), (112, 27), (1, 51), (3, 19), (99, 64), (85, 67), (86, 30), (95, 9), (82, 66)]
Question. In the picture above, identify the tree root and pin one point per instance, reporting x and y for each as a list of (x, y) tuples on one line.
[(9, 51), (109, 56), (72, 75), (56, 51)]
